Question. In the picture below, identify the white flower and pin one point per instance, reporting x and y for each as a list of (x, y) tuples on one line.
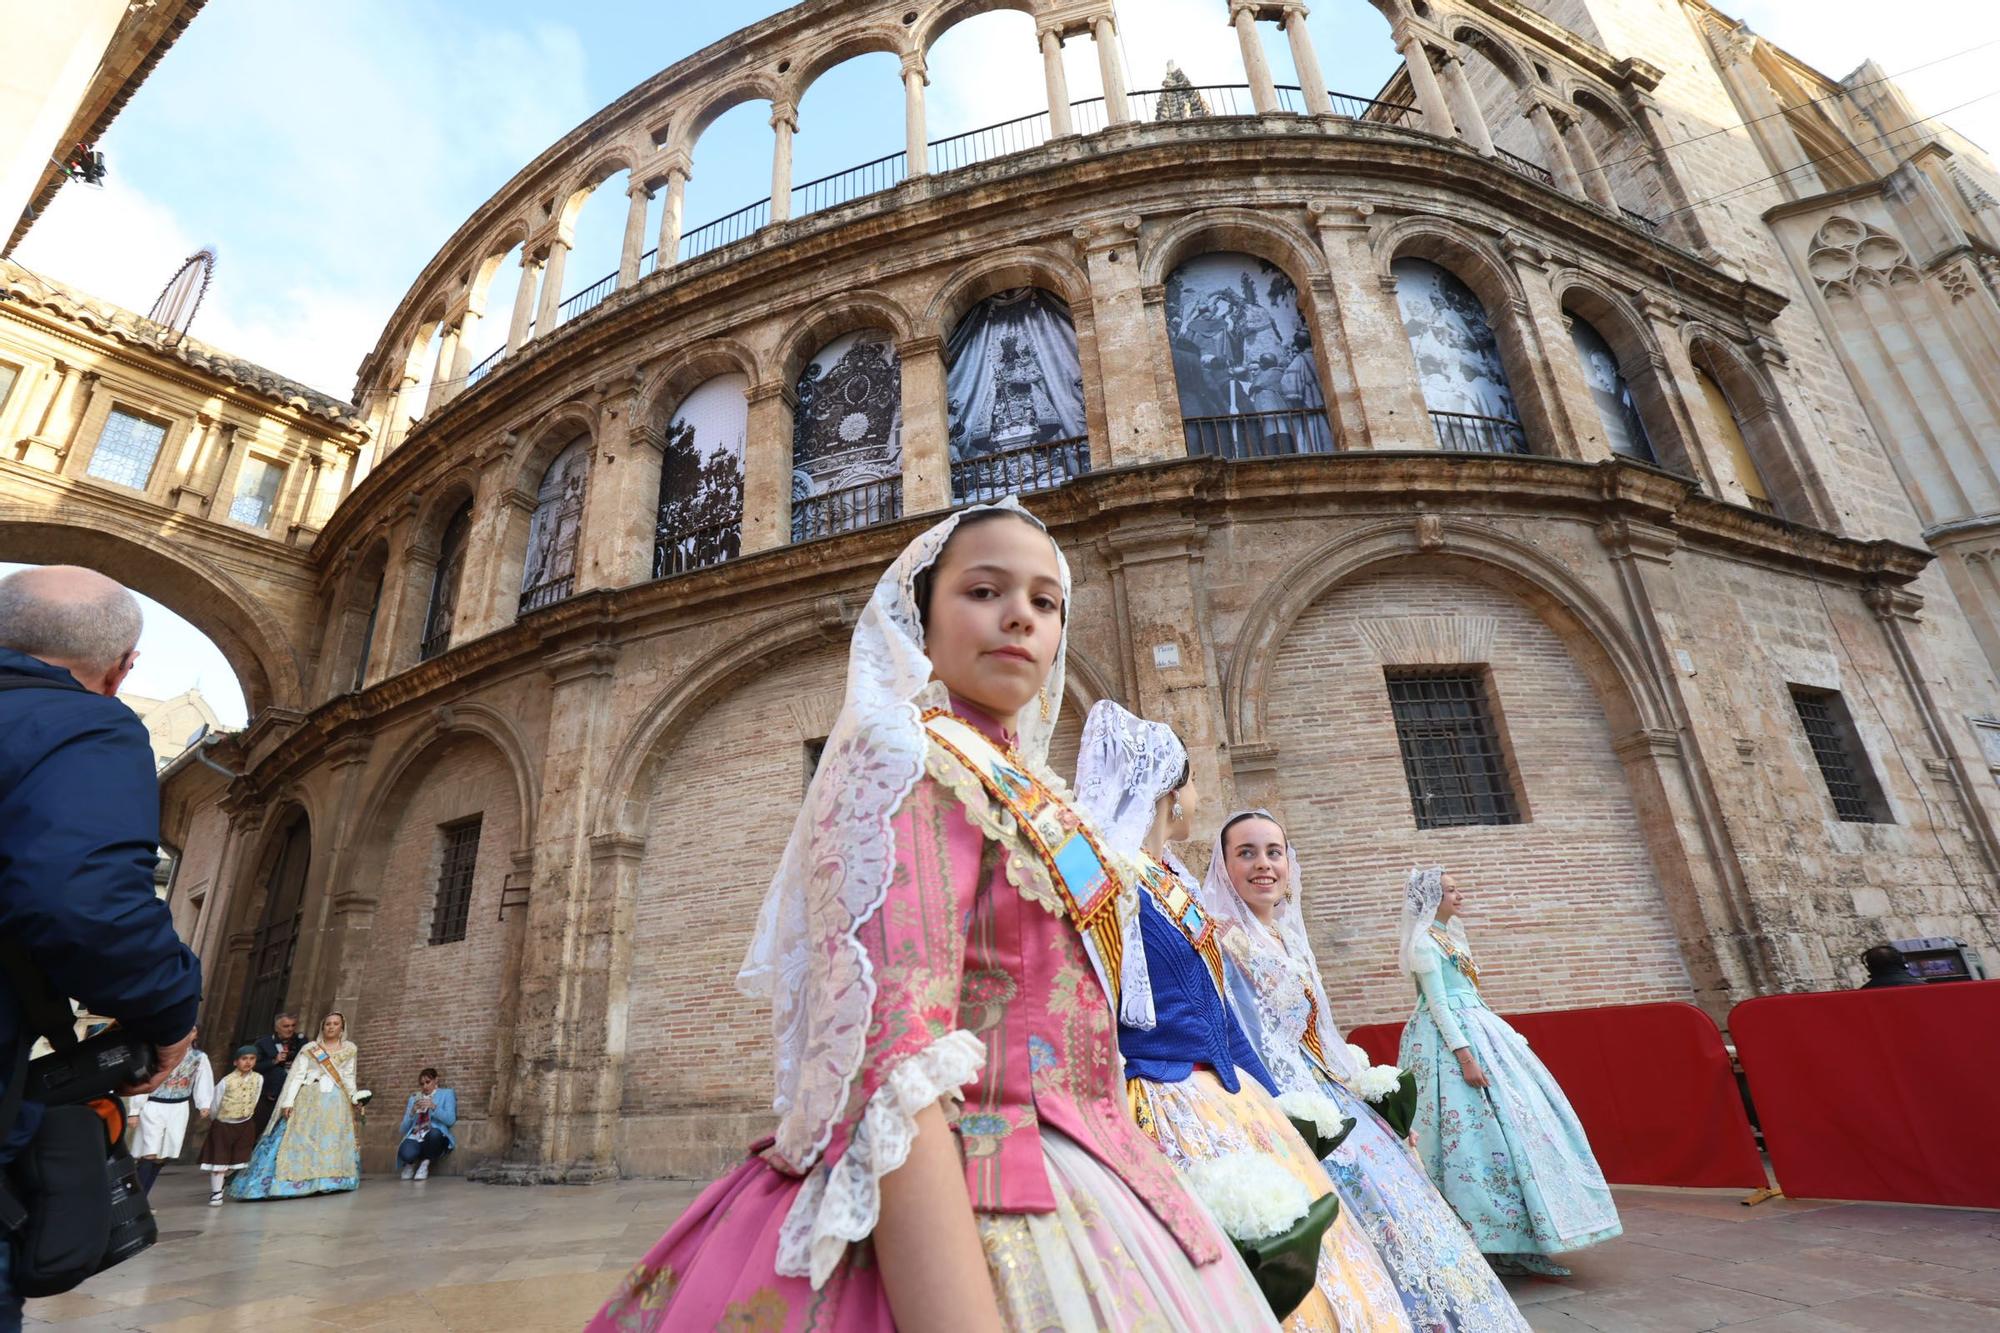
[(1356, 1057), (1315, 1110), (1375, 1082), (1252, 1196)]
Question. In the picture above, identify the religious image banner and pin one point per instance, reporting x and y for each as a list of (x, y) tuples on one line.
[(1458, 356), (1242, 348), (1014, 382), (701, 478), (558, 520), (847, 436)]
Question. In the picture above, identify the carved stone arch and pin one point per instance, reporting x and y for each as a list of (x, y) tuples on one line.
[(838, 48), (1517, 68), (1641, 361), (441, 500), (1590, 96), (1263, 234), (538, 445), (245, 905), (690, 126), (833, 317), (944, 17), (445, 722), (667, 385), (1472, 257), (1772, 436), (264, 652), (1085, 682), (1021, 266), (1604, 650)]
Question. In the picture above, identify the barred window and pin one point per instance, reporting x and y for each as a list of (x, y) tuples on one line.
[(454, 893), (1452, 754), (815, 751), (257, 489), (126, 450), (1843, 764)]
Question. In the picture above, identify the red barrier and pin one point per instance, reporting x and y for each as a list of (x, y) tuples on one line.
[(1651, 1084), (1889, 1095)]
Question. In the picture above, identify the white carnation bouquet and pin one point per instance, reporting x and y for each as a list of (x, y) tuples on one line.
[(1315, 1110), (1252, 1196), (1391, 1091)]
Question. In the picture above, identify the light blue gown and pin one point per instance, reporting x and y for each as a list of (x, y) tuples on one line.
[(1511, 1158)]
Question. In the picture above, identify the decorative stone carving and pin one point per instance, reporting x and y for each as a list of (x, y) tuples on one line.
[(1847, 256)]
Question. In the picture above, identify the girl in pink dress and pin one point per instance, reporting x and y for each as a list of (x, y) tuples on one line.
[(941, 946)]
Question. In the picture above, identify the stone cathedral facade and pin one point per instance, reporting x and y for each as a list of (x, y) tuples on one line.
[(1575, 463)]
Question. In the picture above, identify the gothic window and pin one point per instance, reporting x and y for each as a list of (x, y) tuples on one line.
[(700, 517), (1243, 360), (445, 584), (549, 573), (457, 859), (1843, 763), (257, 487), (126, 449), (1015, 389), (1452, 755), (1458, 361), (1723, 422), (847, 437), (1623, 429)]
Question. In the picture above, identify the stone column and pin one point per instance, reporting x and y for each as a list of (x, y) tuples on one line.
[(1141, 414), (524, 301), (1424, 82), (1389, 391), (917, 140), (1558, 153), (70, 460), (1111, 66), (1263, 90), (402, 411), (1057, 79), (784, 124), (767, 468), (1305, 59), (671, 215), (926, 427), (1560, 415), (1680, 391), (490, 596), (556, 255), (46, 447), (635, 235), (219, 469), (1465, 110), (187, 496), (461, 361), (622, 503), (447, 357), (406, 596), (1595, 183), (1765, 118)]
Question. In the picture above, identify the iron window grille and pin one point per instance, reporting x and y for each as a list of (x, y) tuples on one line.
[(1843, 765), (127, 448), (1452, 756), (454, 893)]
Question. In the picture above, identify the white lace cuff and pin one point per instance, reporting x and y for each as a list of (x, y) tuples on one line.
[(840, 1204)]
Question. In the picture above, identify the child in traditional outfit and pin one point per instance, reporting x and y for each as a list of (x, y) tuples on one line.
[(946, 955), (232, 1136), (1493, 1126)]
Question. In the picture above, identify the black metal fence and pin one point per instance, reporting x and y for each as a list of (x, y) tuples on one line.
[(547, 594), (1527, 168), (847, 509), (1466, 433), (1028, 467), (678, 550), (1259, 435)]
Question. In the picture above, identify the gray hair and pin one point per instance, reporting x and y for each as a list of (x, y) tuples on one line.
[(64, 614)]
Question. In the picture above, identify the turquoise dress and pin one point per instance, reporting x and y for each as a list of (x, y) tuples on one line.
[(1511, 1158)]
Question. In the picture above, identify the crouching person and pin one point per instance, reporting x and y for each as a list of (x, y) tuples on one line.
[(427, 1122)]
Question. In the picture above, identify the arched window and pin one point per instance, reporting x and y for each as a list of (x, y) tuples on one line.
[(847, 437), (1243, 360), (1015, 387), (276, 940), (1458, 361), (700, 520), (1624, 431), (1723, 423), (549, 574), (445, 584)]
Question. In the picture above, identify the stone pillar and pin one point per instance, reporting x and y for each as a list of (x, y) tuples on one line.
[(638, 197), (1057, 79), (219, 470), (555, 257), (406, 596), (1465, 105), (622, 503), (1682, 214), (767, 468), (1559, 414), (490, 596), (1111, 66), (70, 460), (926, 427), (447, 357), (917, 138), (1765, 118), (46, 447), (1680, 391), (524, 301), (1305, 59), (461, 361), (1389, 392), (1596, 184), (402, 411), (187, 496), (1141, 413), (1424, 82), (671, 215), (1263, 90), (1560, 164), (784, 124)]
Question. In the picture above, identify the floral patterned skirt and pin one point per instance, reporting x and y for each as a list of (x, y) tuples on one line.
[(1101, 1260), (1198, 1119), (311, 1152), (1438, 1271), (1511, 1158)]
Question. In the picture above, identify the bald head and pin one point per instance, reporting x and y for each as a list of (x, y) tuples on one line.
[(74, 618)]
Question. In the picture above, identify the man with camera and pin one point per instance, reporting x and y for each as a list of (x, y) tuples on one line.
[(79, 831)]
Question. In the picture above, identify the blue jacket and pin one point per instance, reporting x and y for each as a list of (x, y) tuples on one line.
[(444, 1114), (1193, 1024), (79, 836)]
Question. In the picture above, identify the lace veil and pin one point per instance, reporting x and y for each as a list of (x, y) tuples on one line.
[(1290, 946), (1422, 893), (1125, 766), (805, 957)]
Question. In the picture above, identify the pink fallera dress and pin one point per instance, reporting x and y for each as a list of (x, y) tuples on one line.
[(983, 989)]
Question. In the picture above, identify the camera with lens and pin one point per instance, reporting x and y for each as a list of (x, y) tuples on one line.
[(91, 1068)]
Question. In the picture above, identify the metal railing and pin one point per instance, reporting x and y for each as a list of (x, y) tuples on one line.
[(1028, 467), (1259, 435), (1648, 225), (478, 372), (983, 145), (434, 645), (847, 509), (726, 230), (547, 594), (589, 298), (841, 187), (678, 550), (1466, 433), (1526, 168), (1763, 506)]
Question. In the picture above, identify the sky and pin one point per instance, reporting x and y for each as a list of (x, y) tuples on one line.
[(327, 150)]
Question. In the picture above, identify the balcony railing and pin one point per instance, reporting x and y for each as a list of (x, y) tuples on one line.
[(1028, 467), (854, 183), (726, 230), (1259, 435), (1465, 433), (434, 644), (678, 550), (1648, 225), (1527, 168), (845, 510), (589, 298), (547, 594)]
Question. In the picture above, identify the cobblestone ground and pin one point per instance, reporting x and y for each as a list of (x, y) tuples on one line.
[(445, 1255)]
